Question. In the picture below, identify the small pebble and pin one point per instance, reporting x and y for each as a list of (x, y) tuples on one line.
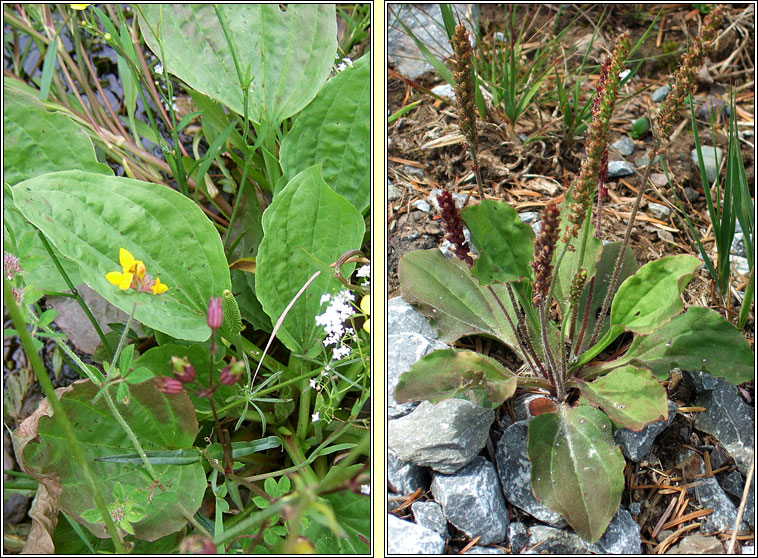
[(422, 205), (660, 94), (393, 192), (445, 90), (625, 146), (658, 210), (618, 169)]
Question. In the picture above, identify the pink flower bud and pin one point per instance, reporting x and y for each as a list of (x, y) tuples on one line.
[(231, 373), (183, 369), (168, 385), (215, 313)]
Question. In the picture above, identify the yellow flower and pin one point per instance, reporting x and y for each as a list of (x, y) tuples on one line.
[(159, 287), (133, 274), (366, 309), (79, 7)]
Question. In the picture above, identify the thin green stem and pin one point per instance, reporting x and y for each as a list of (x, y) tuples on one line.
[(74, 292)]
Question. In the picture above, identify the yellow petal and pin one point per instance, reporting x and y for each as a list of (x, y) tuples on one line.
[(366, 305), (79, 6), (367, 325), (139, 268), (158, 287), (121, 280), (126, 259)]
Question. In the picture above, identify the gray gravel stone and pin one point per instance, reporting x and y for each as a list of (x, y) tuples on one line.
[(624, 145), (485, 550), (691, 194), (404, 477), (517, 536), (425, 21), (738, 244), (709, 160), (529, 217), (405, 537), (636, 445), (429, 515), (472, 500), (444, 90), (659, 210), (698, 381), (621, 537), (711, 495), (445, 436), (660, 94), (393, 192), (515, 472), (422, 205), (404, 318), (554, 541), (730, 420), (617, 169), (741, 265)]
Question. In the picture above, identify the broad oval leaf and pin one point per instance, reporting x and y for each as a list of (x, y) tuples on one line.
[(505, 244), (449, 373), (348, 510), (288, 52), (88, 217), (306, 228), (653, 294), (37, 141), (699, 339), (335, 130), (452, 298), (577, 469), (628, 395), (158, 420)]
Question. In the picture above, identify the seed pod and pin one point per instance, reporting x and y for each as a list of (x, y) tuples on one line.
[(232, 316), (577, 284)]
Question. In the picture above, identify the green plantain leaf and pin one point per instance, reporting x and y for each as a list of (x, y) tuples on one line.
[(505, 244), (577, 469), (289, 51), (653, 294), (352, 513), (38, 141), (453, 299), (449, 373), (335, 130), (698, 339), (305, 229), (647, 299), (88, 217), (629, 395), (159, 421)]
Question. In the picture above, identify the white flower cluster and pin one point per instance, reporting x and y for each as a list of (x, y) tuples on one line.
[(346, 62), (332, 319), (365, 272)]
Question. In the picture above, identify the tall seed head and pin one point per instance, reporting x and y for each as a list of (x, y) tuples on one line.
[(580, 199), (464, 87), (543, 251), (684, 83)]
